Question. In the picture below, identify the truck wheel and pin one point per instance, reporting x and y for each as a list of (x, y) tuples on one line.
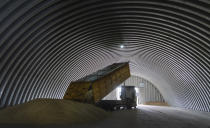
[(129, 107)]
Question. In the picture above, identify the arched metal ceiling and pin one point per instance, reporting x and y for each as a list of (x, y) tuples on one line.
[(45, 44)]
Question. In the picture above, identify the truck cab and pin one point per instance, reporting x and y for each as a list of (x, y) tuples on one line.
[(128, 96)]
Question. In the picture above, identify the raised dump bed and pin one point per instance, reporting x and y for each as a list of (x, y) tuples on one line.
[(96, 86)]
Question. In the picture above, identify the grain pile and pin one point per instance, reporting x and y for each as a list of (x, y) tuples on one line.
[(51, 111)]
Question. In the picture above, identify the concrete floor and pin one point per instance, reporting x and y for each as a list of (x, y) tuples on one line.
[(149, 117), (154, 117)]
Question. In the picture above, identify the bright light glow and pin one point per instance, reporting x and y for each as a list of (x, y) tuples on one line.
[(137, 90), (118, 93), (121, 46), (137, 99), (137, 95)]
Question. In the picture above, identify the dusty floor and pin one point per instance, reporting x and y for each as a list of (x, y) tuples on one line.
[(154, 117), (149, 117)]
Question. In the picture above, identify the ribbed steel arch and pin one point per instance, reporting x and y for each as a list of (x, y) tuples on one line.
[(46, 44)]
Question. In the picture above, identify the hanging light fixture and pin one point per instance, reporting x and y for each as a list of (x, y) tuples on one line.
[(121, 46)]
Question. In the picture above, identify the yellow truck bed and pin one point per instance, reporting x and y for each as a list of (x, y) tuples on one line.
[(96, 86)]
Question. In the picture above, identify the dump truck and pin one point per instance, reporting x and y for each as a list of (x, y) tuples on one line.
[(94, 87)]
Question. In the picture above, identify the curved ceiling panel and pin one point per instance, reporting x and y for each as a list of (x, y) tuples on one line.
[(44, 45)]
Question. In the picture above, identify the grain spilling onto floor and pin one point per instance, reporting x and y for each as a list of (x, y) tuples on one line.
[(51, 111)]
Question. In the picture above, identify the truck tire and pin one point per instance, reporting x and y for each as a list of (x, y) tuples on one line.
[(118, 107), (129, 107)]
